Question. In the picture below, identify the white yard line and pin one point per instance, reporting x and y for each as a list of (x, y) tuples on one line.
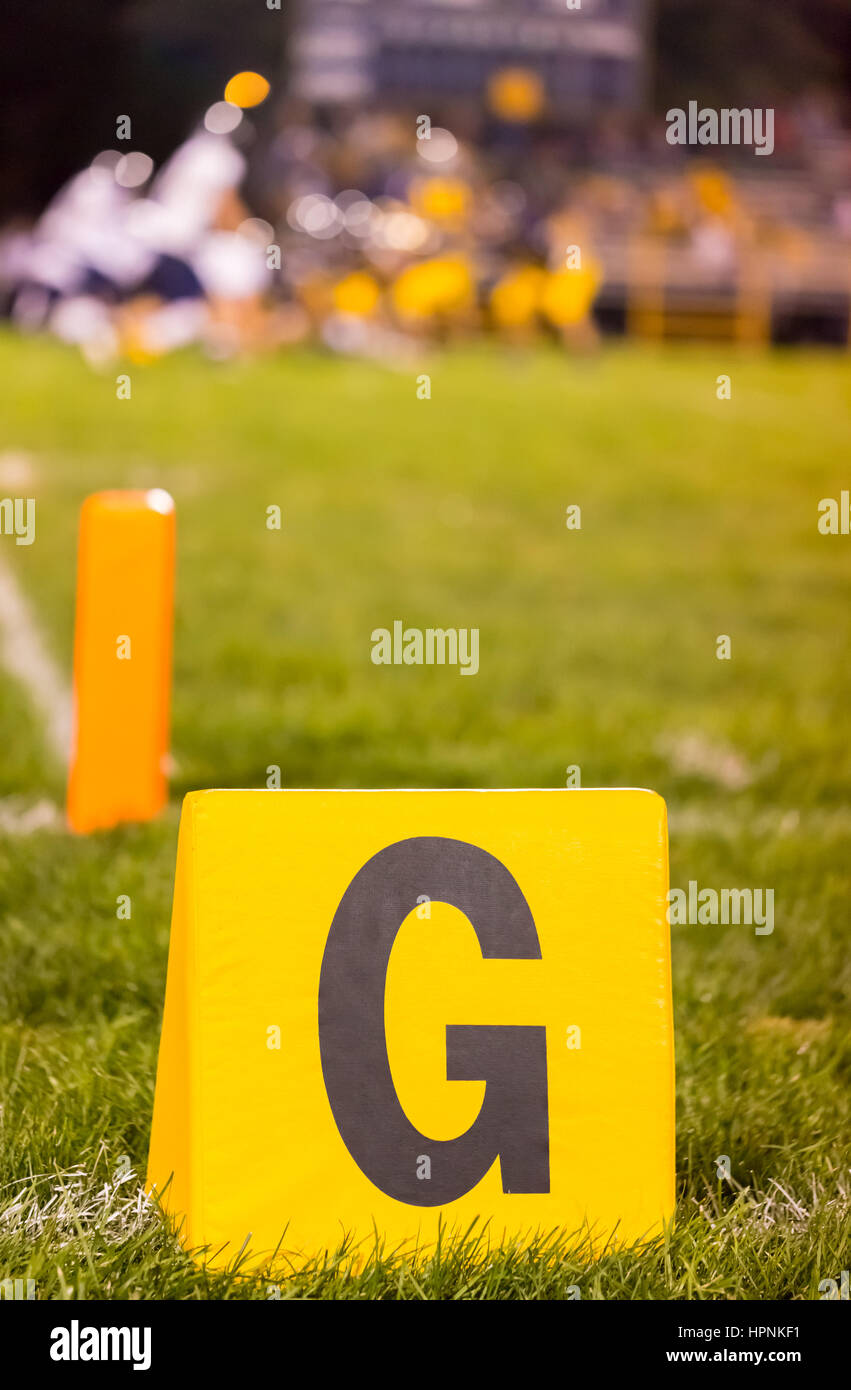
[(16, 471), (19, 818), (24, 655)]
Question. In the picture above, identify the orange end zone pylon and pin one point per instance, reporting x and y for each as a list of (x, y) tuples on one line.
[(122, 659)]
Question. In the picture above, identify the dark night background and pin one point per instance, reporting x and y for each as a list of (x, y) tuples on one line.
[(68, 70)]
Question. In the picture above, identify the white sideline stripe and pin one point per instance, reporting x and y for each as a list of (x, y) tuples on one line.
[(16, 471), (25, 657), (18, 819)]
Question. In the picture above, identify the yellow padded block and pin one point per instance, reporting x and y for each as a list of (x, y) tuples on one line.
[(125, 603), (390, 1009)]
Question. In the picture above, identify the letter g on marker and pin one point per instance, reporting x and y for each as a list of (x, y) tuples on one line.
[(513, 1122)]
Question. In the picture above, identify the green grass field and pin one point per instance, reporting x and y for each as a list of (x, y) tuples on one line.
[(597, 649)]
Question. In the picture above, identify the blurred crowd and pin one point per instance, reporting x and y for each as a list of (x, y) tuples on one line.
[(378, 230)]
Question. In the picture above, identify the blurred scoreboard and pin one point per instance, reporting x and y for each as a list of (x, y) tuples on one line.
[(587, 59)]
